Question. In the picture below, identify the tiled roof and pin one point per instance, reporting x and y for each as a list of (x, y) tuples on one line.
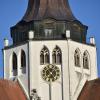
[(91, 90), (10, 90)]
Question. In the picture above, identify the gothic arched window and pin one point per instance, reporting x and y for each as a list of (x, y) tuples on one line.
[(77, 58), (44, 56), (56, 56), (23, 61), (85, 60), (14, 64)]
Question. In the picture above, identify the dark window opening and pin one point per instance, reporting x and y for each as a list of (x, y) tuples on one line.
[(14, 63), (85, 60), (42, 58), (23, 62), (77, 58)]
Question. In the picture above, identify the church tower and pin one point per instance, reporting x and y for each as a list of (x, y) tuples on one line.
[(49, 55)]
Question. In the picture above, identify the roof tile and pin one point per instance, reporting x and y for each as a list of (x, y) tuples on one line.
[(91, 90), (10, 90)]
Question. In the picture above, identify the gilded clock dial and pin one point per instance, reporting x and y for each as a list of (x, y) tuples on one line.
[(50, 73)]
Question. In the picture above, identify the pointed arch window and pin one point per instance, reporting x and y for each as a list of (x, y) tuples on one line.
[(85, 60), (23, 61), (77, 58), (57, 56), (44, 56), (14, 64)]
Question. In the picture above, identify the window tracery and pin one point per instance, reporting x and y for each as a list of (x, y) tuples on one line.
[(44, 56), (57, 56)]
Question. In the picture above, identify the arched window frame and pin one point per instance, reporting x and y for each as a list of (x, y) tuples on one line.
[(23, 61), (77, 58), (57, 56), (14, 63), (44, 56), (86, 60)]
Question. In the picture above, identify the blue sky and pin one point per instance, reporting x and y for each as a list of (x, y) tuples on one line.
[(87, 11)]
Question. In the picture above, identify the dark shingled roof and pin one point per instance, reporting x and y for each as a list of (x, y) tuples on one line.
[(91, 90), (40, 9), (10, 90)]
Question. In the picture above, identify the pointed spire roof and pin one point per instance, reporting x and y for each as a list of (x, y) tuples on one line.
[(40, 9)]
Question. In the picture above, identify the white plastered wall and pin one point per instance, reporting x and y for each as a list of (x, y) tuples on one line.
[(71, 74), (36, 80), (8, 68), (77, 74)]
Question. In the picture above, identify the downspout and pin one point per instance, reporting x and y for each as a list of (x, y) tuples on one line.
[(62, 82), (69, 71), (29, 71), (3, 61)]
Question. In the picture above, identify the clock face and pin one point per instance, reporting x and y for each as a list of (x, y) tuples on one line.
[(50, 73)]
